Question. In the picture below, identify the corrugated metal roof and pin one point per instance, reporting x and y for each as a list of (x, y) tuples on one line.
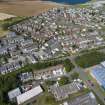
[(99, 73), (29, 94)]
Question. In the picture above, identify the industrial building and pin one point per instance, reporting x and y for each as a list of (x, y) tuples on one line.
[(98, 72), (25, 97)]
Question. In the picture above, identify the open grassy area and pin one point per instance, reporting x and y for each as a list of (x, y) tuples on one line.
[(90, 59), (45, 99), (3, 32)]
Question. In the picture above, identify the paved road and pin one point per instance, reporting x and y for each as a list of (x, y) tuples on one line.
[(84, 77)]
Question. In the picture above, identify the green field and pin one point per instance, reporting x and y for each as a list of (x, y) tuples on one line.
[(90, 59), (45, 99)]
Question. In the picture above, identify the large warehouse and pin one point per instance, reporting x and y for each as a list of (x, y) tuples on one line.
[(98, 73)]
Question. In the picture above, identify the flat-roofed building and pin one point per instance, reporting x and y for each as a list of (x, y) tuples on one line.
[(25, 97), (98, 72)]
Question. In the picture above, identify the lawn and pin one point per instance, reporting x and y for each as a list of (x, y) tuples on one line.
[(3, 32), (45, 99), (90, 59)]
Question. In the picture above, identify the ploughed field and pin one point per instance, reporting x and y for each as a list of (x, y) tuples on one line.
[(26, 8)]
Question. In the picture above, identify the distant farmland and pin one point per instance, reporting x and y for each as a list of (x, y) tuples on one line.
[(25, 8)]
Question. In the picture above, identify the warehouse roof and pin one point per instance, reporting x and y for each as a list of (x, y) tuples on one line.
[(98, 73), (29, 95)]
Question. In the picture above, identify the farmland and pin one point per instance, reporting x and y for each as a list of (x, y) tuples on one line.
[(26, 8)]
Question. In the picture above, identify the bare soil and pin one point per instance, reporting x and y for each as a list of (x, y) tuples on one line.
[(26, 8)]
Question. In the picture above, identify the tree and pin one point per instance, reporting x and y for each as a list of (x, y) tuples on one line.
[(68, 65), (50, 82), (74, 46), (75, 75), (63, 80)]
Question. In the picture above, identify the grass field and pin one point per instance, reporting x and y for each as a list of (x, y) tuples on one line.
[(2, 32), (46, 98), (89, 59)]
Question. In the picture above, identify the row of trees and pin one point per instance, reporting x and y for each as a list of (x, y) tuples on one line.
[(68, 65)]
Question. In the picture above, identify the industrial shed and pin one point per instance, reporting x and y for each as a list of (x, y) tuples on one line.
[(98, 73), (21, 99)]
